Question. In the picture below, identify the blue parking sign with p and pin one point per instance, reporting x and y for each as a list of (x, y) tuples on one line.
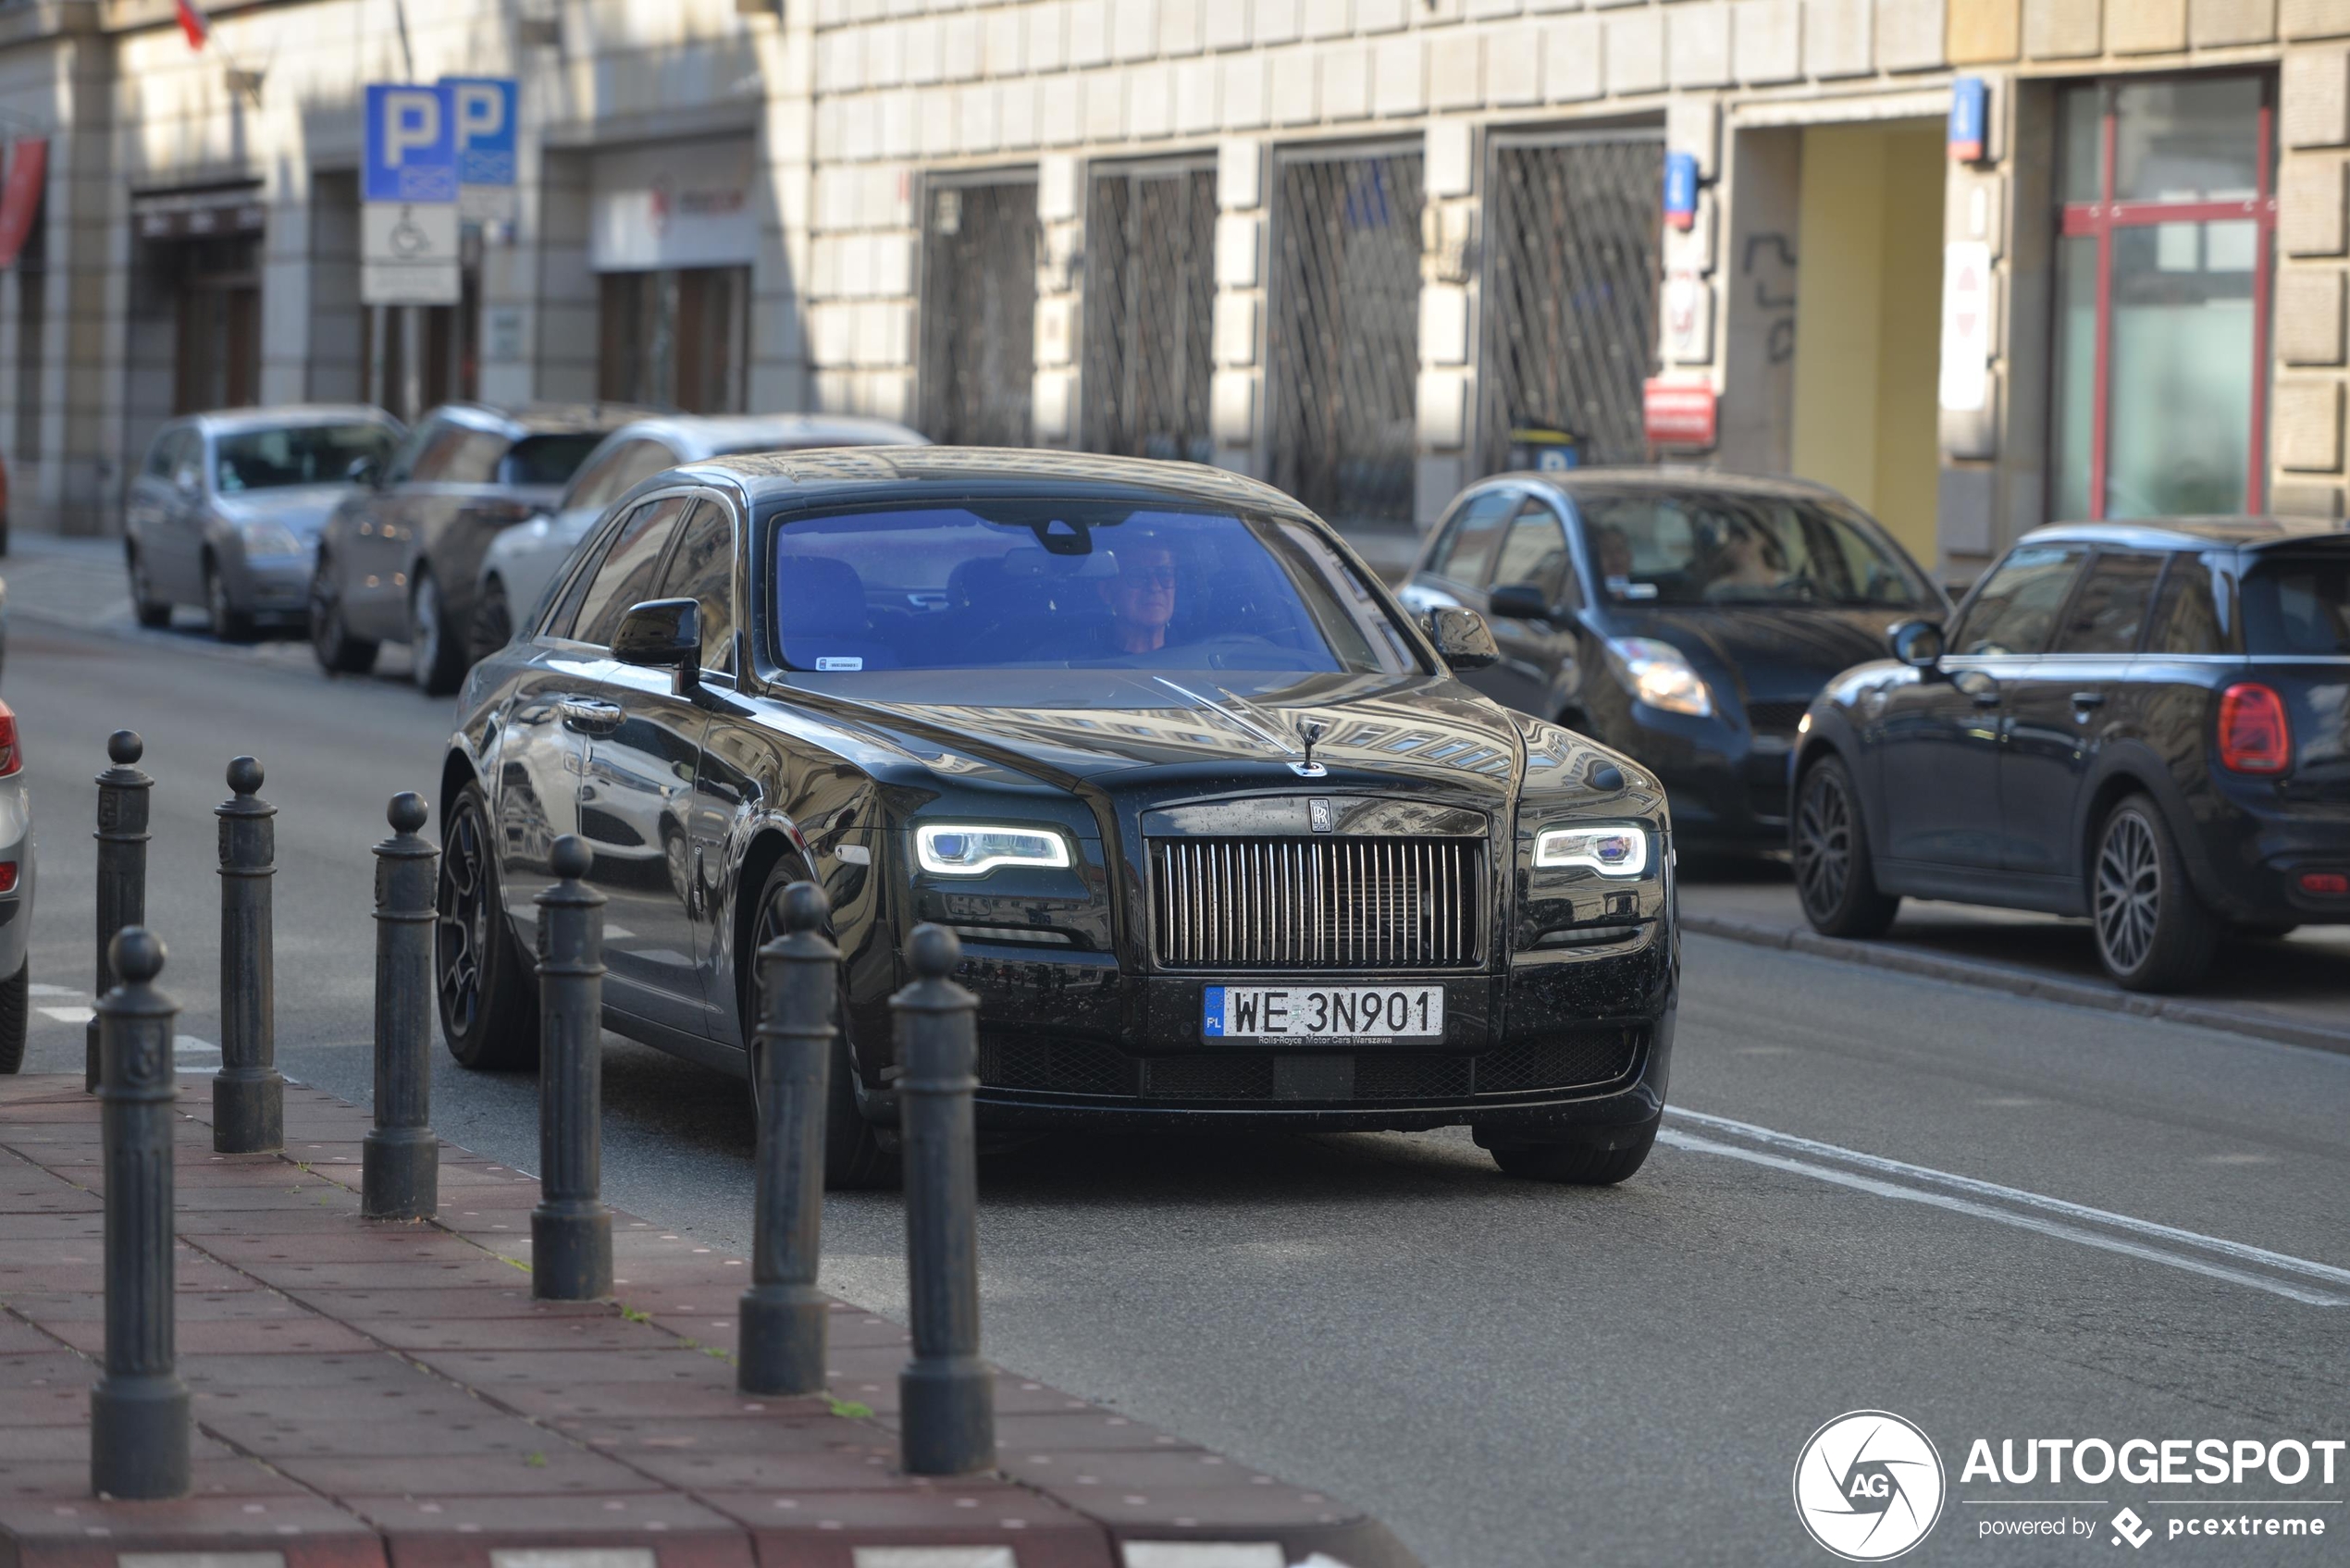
[(481, 113), (412, 144)]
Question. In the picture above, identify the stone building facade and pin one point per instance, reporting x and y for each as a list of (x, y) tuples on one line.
[(1370, 249)]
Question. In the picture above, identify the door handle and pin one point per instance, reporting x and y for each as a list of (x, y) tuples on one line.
[(2088, 700), (588, 715)]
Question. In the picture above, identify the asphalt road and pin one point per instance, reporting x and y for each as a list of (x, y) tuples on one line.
[(1510, 1374)]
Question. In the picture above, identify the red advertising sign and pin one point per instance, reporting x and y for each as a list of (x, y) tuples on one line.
[(1678, 413), (20, 196)]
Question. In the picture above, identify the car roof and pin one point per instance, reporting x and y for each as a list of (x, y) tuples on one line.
[(544, 419), (2191, 533), (1671, 478), (233, 421), (867, 472), (700, 436)]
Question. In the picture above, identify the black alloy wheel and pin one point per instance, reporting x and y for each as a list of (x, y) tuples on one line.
[(493, 625), (2153, 932), (229, 622), (338, 652), (1835, 874), (154, 613), (488, 998), (437, 648), (854, 1158)]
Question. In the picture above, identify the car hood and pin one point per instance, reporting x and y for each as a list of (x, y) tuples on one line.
[(1189, 731), (1780, 654), (301, 510)]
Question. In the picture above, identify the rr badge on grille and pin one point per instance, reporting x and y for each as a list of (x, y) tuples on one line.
[(1317, 814)]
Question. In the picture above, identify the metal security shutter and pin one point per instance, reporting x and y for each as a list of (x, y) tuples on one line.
[(1570, 293), (1150, 295), (1345, 345), (979, 313)]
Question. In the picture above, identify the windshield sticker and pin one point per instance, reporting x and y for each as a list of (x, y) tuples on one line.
[(1624, 587), (840, 662)]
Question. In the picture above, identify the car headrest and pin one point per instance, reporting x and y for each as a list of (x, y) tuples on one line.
[(819, 597)]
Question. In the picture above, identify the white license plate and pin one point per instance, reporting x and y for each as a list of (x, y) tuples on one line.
[(1358, 1014)]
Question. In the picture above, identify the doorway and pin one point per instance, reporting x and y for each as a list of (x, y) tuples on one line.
[(1868, 302)]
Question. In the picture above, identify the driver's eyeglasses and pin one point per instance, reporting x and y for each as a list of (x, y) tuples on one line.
[(1147, 576)]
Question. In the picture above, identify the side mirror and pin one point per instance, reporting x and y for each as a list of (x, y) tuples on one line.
[(663, 633), (1917, 644), (1520, 602), (1462, 639), (367, 471), (184, 479)]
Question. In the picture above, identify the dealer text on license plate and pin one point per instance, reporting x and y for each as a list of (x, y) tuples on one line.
[(1323, 1012)]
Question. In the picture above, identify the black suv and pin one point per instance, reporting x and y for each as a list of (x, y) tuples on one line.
[(2145, 723)]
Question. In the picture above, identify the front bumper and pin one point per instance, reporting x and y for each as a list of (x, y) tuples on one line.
[(277, 585), (1562, 1041), (1728, 787)]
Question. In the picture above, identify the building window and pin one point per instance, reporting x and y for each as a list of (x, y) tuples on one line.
[(2163, 284), (675, 337)]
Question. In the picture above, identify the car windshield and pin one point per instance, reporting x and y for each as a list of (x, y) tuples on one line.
[(1073, 585), (2297, 605), (546, 460), (1665, 547), (296, 454)]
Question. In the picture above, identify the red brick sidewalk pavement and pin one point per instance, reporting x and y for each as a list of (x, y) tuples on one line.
[(376, 1395)]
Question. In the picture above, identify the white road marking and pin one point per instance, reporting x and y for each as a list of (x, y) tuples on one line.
[(67, 1015), (34, 988), (2259, 1256)]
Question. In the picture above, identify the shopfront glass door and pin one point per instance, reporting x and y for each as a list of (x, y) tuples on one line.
[(2163, 271)]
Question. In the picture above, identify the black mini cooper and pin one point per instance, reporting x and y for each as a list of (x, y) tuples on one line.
[(1225, 842), (2145, 723)]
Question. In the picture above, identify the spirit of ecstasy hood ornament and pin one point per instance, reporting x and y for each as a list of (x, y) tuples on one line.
[(1309, 769)]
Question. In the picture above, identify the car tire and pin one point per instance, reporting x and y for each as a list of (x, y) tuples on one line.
[(1835, 872), (338, 652), (2153, 933), (854, 1158), (152, 614), (493, 625), (486, 994), (16, 998), (438, 654), (2263, 931), (1585, 1162), (229, 622)]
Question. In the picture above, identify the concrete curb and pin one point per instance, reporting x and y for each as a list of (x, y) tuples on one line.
[(2019, 983), (381, 1395)]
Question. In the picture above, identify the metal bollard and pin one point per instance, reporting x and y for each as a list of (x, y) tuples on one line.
[(399, 1172), (139, 1421), (122, 865), (248, 1097), (571, 1229), (781, 1332), (946, 1393)]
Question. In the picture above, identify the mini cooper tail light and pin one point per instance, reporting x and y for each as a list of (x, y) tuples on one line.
[(2254, 735), (7, 876), (11, 754), (2325, 884)]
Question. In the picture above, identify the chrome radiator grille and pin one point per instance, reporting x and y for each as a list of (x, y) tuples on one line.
[(1318, 903)]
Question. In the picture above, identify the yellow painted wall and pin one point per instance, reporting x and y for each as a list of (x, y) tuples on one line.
[(1868, 319)]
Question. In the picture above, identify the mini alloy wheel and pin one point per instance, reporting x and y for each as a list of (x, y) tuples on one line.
[(2153, 932)]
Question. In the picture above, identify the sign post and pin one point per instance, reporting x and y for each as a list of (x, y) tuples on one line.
[(408, 225)]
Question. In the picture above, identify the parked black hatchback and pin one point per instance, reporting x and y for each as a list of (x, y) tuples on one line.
[(2146, 725), (1682, 617)]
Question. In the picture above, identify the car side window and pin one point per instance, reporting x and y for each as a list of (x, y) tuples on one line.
[(600, 481), (2186, 612), (641, 461), (1534, 550), (2110, 612), (1468, 548), (473, 460), (630, 569), (430, 460), (702, 569), (159, 455), (2016, 607), (403, 462)]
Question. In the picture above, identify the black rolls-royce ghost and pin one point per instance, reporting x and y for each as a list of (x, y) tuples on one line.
[(2145, 723), (1224, 840)]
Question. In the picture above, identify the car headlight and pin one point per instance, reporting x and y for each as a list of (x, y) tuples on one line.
[(1613, 849), (965, 849), (1659, 675), (269, 539)]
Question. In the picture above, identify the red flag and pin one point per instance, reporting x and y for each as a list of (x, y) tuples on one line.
[(194, 23)]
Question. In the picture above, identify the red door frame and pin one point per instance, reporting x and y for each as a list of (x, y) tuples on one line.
[(2101, 217)]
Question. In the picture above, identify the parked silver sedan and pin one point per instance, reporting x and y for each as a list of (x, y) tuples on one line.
[(225, 511), (520, 561)]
